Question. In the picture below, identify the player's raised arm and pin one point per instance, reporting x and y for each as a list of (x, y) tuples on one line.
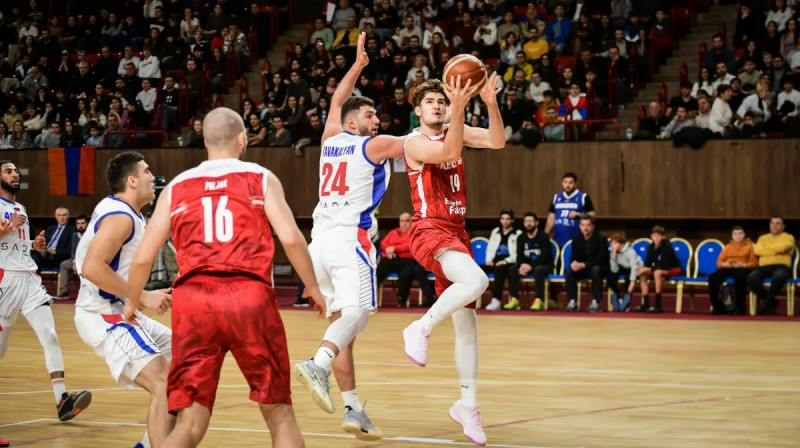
[(333, 124), (294, 243), (424, 150), (385, 147), (112, 232), (494, 137), (159, 229)]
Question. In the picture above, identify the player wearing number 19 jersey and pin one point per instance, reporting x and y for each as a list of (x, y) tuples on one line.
[(438, 239), (354, 173)]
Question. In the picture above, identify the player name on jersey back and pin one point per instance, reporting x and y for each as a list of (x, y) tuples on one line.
[(350, 186)]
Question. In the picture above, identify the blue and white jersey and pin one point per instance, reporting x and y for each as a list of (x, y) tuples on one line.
[(350, 186), (15, 248), (90, 297), (565, 228)]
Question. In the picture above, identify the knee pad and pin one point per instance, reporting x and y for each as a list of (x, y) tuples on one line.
[(352, 321)]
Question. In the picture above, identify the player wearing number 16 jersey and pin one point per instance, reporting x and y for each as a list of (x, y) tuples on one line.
[(438, 239), (354, 174), (221, 215)]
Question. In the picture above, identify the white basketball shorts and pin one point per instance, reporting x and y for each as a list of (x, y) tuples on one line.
[(20, 291)]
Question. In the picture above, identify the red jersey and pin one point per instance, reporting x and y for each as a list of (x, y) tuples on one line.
[(438, 191), (218, 220)]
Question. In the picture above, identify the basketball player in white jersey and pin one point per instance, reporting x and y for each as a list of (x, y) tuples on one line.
[(354, 174), (137, 355), (21, 290), (438, 237)]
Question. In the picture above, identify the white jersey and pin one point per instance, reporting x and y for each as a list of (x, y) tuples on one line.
[(90, 297), (15, 248), (350, 185)]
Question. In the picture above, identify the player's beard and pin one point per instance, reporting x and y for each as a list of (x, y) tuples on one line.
[(364, 131), (8, 187)]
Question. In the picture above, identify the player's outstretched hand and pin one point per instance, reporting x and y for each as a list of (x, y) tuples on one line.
[(490, 90), (39, 243), (362, 59), (319, 300), (459, 95), (159, 300)]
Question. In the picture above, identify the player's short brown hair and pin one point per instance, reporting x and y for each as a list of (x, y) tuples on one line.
[(429, 86), (119, 168), (354, 103)]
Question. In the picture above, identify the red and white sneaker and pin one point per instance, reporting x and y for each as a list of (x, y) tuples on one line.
[(470, 419), (416, 338)]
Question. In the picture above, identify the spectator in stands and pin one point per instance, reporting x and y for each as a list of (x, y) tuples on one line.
[(509, 26), (432, 29), (323, 33), (342, 13), (537, 88), (749, 26), (114, 125), (501, 258), (295, 116), (620, 11), (737, 97), (680, 121), (298, 88), (93, 115), (703, 118), (59, 242), (33, 81), (558, 31), (758, 104), (256, 133), (280, 136), (684, 99), (386, 19), (779, 71), (128, 57), (50, 139), (409, 29), (588, 260), (132, 81), (400, 109), (67, 267), (513, 112), (32, 120), (194, 82), (169, 103), (652, 126), (574, 107), (27, 29), (774, 251), (309, 134), (95, 136), (535, 47), (147, 97), (12, 116), (149, 66), (5, 136), (106, 68), (722, 77), (464, 35), (721, 114), (419, 65), (216, 22), (786, 105), (789, 39), (347, 36), (414, 48), (534, 257), (486, 37), (71, 135), (110, 31), (196, 139), (749, 76), (660, 263), (190, 25), (19, 138), (396, 258), (619, 65), (624, 263), (566, 209), (719, 53), (780, 14), (737, 260)]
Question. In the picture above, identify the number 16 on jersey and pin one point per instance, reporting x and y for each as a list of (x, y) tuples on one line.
[(217, 223)]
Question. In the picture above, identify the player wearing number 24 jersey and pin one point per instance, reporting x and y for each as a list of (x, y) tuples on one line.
[(221, 215), (438, 239), (353, 177)]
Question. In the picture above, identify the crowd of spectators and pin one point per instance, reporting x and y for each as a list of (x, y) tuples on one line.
[(71, 80), (747, 84)]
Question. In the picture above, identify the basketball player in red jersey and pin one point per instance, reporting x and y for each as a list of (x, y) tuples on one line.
[(438, 238), (219, 214)]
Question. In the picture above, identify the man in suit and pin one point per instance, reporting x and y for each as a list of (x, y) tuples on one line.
[(588, 259), (59, 242), (68, 266)]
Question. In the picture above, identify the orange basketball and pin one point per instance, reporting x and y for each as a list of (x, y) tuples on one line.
[(468, 66)]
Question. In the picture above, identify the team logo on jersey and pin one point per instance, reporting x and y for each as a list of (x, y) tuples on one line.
[(14, 247), (451, 165)]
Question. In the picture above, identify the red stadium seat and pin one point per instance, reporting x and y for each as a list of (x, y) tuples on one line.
[(93, 58), (702, 49), (563, 62), (683, 73), (738, 52)]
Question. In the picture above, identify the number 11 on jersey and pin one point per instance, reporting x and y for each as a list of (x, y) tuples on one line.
[(220, 224)]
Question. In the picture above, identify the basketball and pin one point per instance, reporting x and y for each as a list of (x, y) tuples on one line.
[(469, 67)]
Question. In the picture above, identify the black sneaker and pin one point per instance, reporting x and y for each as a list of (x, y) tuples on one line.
[(301, 303), (768, 307), (654, 309), (72, 404)]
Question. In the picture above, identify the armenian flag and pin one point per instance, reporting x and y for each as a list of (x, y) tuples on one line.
[(71, 170)]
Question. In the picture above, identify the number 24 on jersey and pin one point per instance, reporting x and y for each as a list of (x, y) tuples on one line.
[(334, 182)]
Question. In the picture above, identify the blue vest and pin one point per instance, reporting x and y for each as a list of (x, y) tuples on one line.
[(565, 228)]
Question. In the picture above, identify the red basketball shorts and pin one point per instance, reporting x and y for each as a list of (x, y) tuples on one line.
[(214, 314), (428, 236)]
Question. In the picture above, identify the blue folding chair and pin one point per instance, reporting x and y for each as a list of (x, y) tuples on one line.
[(566, 253), (479, 246), (640, 246), (790, 286), (705, 264)]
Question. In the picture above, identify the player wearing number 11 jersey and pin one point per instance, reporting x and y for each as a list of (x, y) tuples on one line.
[(438, 239), (354, 173)]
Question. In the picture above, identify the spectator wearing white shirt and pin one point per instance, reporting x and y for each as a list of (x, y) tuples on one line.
[(721, 113), (410, 29), (126, 58), (794, 63), (788, 94), (679, 121), (780, 14), (486, 36), (723, 77), (430, 29), (189, 26), (756, 103), (703, 118), (537, 88), (27, 29), (147, 96), (149, 66), (150, 6)]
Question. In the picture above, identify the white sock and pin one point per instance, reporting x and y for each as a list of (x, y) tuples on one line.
[(145, 440), (469, 282), (324, 357), (350, 398), (469, 392), (59, 388)]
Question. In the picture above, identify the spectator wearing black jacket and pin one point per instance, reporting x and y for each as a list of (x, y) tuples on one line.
[(534, 257), (661, 263), (652, 125), (588, 259)]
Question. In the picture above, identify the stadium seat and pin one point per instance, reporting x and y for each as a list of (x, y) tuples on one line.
[(683, 249), (564, 61), (479, 246), (390, 278), (705, 264), (566, 253), (640, 246), (790, 285)]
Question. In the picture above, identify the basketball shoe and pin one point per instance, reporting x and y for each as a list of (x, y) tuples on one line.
[(72, 404), (513, 304), (416, 338), (359, 425), (4, 443), (315, 378), (470, 419)]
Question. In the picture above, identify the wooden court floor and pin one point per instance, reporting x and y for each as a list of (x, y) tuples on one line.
[(543, 382)]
